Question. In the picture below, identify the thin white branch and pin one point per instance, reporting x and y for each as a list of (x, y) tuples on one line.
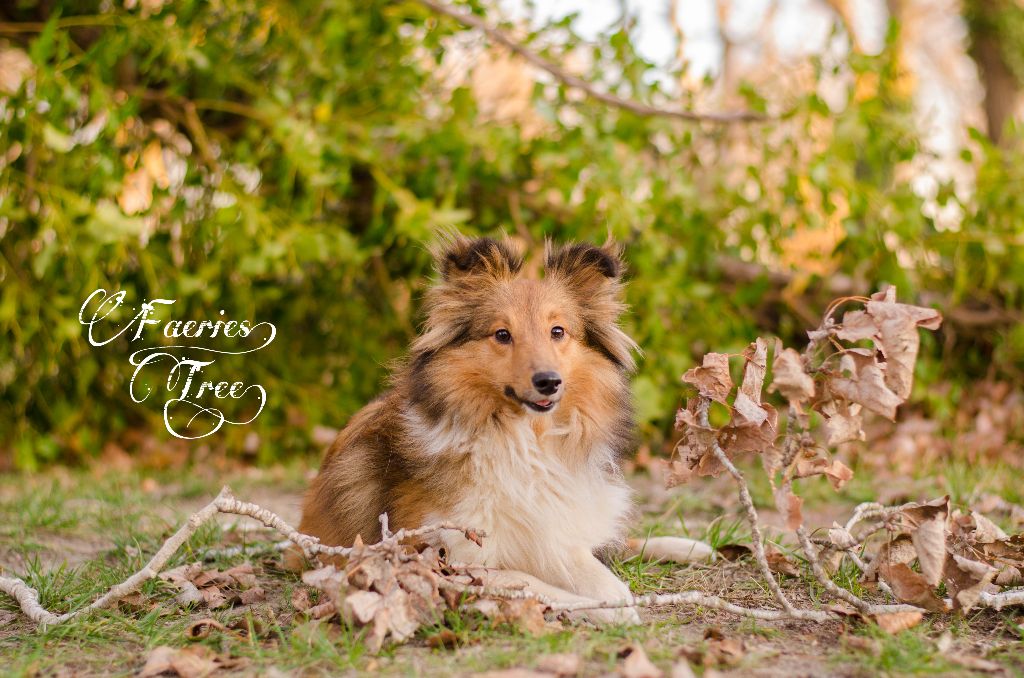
[(755, 525), (859, 562), (28, 598), (998, 601), (650, 600)]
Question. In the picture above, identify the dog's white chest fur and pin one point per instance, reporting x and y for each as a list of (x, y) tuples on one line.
[(540, 513)]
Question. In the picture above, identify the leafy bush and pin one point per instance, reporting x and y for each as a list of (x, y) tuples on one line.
[(287, 161)]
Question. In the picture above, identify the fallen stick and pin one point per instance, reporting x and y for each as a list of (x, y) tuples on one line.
[(225, 502)]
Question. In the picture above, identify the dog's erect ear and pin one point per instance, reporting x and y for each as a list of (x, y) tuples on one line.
[(586, 268), (458, 257), (592, 275)]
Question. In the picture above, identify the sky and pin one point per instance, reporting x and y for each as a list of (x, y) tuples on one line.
[(799, 27)]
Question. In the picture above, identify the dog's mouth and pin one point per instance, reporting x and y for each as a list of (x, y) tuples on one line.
[(542, 405)]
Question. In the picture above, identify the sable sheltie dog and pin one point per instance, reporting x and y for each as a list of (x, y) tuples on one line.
[(510, 416)]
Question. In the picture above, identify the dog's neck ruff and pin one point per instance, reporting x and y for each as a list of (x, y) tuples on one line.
[(536, 495)]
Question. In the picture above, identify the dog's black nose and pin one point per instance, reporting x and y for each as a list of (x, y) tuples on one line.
[(547, 382)]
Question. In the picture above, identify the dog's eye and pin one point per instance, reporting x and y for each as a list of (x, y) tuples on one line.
[(503, 336), (557, 332)]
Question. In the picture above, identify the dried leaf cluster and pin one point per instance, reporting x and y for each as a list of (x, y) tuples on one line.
[(391, 592), (864, 363), (214, 589)]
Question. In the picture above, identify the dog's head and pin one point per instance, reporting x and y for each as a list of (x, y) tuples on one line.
[(498, 339)]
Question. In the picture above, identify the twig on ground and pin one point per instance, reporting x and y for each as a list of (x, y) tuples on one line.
[(998, 601), (28, 598), (748, 503), (570, 80)]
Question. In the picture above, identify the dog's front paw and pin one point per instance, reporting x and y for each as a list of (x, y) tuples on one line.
[(606, 587), (612, 615)]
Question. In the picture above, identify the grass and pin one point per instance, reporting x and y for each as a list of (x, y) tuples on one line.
[(73, 534), (912, 652)]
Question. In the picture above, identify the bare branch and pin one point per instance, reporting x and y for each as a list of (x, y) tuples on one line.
[(748, 504), (225, 502), (570, 80), (998, 601)]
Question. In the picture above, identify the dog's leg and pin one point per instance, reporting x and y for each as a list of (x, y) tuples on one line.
[(672, 549), (514, 579), (592, 579)]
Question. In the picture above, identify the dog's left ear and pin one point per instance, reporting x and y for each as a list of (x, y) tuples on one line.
[(584, 265), (593, 275)]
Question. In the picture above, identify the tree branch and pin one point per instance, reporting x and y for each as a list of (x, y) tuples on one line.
[(570, 80)]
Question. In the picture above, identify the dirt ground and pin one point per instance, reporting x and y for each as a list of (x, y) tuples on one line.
[(73, 533)]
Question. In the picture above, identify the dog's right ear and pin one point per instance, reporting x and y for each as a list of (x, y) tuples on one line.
[(460, 257)]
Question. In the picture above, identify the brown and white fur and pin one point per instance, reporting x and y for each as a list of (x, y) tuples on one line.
[(475, 430)]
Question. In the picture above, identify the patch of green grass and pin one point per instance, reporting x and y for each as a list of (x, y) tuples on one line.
[(906, 653)]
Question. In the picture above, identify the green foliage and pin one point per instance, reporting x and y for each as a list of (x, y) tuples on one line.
[(312, 150)]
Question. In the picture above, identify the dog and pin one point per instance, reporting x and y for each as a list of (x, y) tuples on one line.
[(510, 416)]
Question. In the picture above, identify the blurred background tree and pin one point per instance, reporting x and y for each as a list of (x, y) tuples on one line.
[(287, 161)]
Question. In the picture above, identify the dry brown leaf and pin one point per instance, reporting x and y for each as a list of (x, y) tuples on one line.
[(842, 421), (301, 600), (985, 531), (201, 628), (724, 652), (866, 384), (789, 506), (895, 622), (253, 596), (712, 378), (243, 574), (838, 474), (898, 339), (965, 580), (780, 563), (561, 664), (445, 638), (911, 587), (525, 613), (747, 404), (928, 533), (975, 663), (841, 537), (361, 606), (1009, 575), (789, 377), (372, 572), (899, 550), (323, 578), (869, 645), (636, 664), (188, 662), (739, 436), (133, 602), (857, 326), (678, 474), (324, 610), (719, 650), (681, 669)]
